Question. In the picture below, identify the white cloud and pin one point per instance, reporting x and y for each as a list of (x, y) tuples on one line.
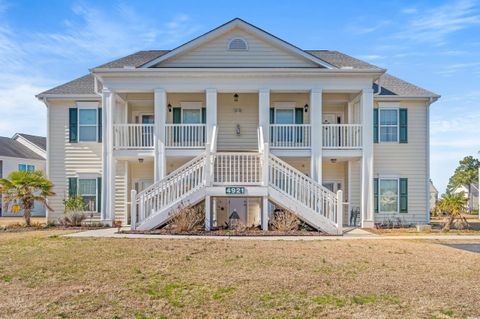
[(120, 31), (435, 25), (93, 35)]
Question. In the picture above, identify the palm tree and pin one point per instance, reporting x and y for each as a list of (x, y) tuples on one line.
[(21, 189), (452, 205)]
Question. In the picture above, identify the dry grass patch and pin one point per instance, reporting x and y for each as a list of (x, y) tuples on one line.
[(48, 276)]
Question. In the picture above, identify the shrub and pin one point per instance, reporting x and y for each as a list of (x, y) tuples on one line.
[(284, 221), (187, 218), (72, 219), (74, 204)]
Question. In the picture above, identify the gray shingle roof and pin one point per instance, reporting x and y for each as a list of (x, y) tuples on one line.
[(12, 148), (39, 141), (391, 85)]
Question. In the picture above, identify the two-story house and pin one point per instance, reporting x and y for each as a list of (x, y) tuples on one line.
[(242, 121)]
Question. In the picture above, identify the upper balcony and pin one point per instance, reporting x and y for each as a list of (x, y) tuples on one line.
[(141, 136), (299, 136)]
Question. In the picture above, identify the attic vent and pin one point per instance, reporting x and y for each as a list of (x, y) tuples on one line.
[(237, 44)]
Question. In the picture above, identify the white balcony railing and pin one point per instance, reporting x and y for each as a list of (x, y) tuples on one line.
[(290, 136), (133, 136), (185, 135), (342, 136)]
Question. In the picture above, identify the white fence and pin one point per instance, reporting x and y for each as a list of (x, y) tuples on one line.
[(133, 136), (342, 136), (290, 135)]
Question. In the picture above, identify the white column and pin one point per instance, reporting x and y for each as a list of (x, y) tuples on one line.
[(211, 105), (367, 159), (208, 214), (160, 108), (317, 130), (264, 216), (108, 164), (264, 113)]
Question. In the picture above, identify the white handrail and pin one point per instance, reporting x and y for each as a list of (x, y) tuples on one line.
[(170, 190), (296, 185), (185, 135), (290, 135), (133, 136), (342, 136)]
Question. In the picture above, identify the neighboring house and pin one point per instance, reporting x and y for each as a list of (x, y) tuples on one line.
[(433, 195), (471, 195), (22, 152), (238, 118)]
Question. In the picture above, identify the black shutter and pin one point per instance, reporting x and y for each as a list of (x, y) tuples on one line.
[(204, 115), (73, 125), (72, 186), (99, 118), (403, 126), (403, 195), (99, 194), (375, 196), (375, 125)]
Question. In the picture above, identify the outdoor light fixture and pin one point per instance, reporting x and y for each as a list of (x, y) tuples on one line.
[(333, 160), (306, 108), (169, 107), (235, 97), (140, 160)]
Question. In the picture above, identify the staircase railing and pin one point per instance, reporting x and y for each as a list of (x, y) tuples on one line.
[(299, 187), (172, 189)]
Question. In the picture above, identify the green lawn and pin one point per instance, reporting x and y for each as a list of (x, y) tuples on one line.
[(44, 275)]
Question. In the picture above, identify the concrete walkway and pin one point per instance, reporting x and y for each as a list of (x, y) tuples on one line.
[(356, 234)]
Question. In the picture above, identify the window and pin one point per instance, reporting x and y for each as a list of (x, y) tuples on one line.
[(284, 116), (87, 125), (26, 167), (87, 189), (238, 44), (192, 116), (388, 125), (388, 195)]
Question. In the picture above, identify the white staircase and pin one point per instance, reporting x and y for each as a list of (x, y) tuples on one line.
[(310, 201), (287, 187), (185, 186)]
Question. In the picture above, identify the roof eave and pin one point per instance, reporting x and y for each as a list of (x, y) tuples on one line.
[(43, 97)]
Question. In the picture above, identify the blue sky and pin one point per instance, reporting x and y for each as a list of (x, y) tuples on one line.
[(434, 44)]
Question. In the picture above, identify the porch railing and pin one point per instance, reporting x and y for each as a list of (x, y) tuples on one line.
[(133, 136), (290, 135), (185, 135), (342, 136), (237, 169)]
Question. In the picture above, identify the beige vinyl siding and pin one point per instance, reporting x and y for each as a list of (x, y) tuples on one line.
[(253, 211), (67, 159), (229, 114), (407, 161), (260, 53), (355, 183), (121, 189)]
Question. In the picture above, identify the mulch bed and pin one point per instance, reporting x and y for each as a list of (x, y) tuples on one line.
[(225, 232)]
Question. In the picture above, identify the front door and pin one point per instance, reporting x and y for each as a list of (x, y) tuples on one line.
[(331, 135), (141, 184)]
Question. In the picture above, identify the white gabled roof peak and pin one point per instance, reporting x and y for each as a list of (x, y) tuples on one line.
[(239, 23)]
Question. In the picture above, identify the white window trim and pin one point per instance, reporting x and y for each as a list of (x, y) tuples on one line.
[(385, 177), (380, 109), (191, 106), (284, 106), (335, 182), (79, 125), (89, 176), (240, 38)]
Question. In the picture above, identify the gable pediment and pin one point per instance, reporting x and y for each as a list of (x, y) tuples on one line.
[(237, 44)]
